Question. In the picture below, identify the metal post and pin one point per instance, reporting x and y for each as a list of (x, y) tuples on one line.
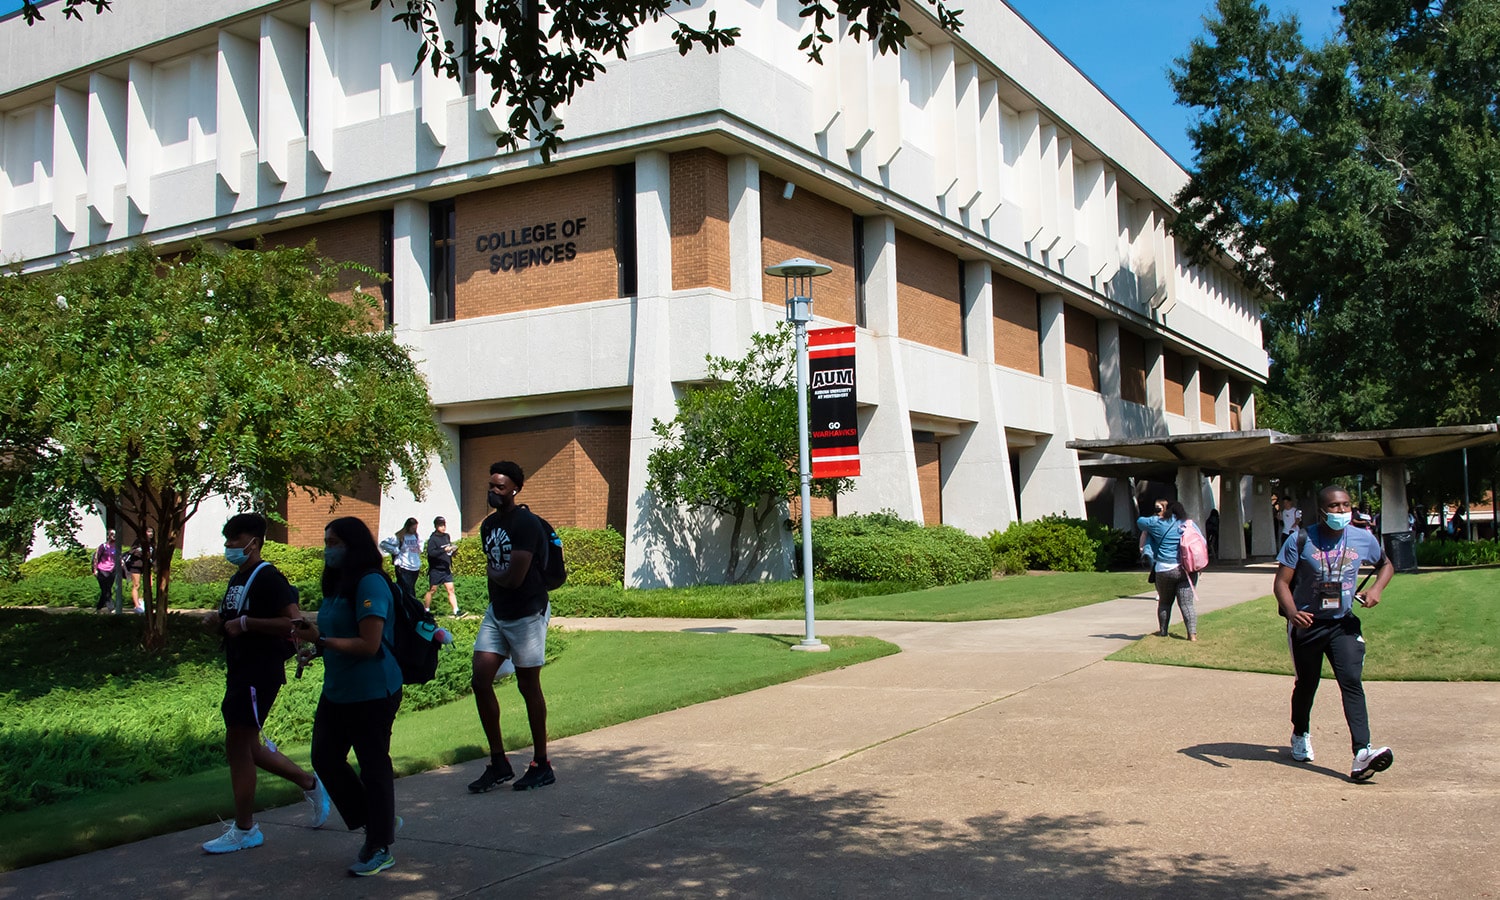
[(799, 274), (1468, 510)]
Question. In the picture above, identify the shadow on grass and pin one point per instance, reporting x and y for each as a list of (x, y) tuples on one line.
[(622, 822)]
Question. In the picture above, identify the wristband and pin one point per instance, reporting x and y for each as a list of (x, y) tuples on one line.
[(244, 624)]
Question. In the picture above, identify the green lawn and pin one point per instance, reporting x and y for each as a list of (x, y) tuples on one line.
[(1436, 626), (598, 679), (708, 601), (1013, 597)]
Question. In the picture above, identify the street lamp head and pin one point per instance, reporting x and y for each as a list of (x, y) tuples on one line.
[(798, 268), (799, 274)]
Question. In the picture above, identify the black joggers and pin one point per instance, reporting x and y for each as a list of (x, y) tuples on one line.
[(1344, 645), (368, 799)]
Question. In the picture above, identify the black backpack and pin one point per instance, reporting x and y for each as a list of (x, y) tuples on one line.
[(554, 570), (413, 645)]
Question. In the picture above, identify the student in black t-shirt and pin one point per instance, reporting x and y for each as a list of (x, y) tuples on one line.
[(514, 627), (440, 564), (255, 619)]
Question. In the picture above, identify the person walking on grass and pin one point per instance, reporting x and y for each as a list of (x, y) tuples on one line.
[(514, 627), (1315, 591), (440, 565), (1164, 537), (361, 689), (106, 569), (255, 621)]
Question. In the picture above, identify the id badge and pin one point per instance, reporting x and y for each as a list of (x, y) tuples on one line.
[(1331, 594)]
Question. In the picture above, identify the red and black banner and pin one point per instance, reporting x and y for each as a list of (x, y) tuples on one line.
[(833, 421)]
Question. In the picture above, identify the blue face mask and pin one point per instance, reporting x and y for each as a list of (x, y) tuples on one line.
[(236, 555), (333, 556), (1337, 521)]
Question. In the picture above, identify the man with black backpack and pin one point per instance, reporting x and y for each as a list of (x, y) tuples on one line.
[(255, 620), (514, 626), (1315, 590)]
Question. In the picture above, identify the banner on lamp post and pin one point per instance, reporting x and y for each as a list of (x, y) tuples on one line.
[(834, 429)]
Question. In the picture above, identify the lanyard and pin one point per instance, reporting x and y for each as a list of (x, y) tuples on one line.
[(1328, 555)]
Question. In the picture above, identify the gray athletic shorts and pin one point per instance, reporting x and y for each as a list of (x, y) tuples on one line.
[(524, 641)]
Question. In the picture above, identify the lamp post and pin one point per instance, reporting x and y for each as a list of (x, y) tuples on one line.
[(799, 274)]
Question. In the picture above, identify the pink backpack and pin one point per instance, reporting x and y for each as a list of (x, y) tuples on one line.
[(1192, 552)]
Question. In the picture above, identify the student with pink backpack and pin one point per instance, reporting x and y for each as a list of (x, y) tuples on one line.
[(1180, 552)]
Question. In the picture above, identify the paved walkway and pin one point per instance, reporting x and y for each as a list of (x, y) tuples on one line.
[(990, 759)]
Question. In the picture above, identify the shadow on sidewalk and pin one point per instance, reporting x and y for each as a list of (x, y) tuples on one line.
[(1278, 755)]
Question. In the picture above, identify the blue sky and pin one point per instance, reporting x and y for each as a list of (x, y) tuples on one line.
[(1125, 46)]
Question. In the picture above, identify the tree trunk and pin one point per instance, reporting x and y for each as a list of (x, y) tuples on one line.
[(734, 547)]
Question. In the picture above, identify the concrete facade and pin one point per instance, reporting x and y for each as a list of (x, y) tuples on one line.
[(996, 226)]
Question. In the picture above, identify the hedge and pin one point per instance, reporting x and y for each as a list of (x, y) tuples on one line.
[(1058, 544), (883, 547), (58, 564), (1457, 553)]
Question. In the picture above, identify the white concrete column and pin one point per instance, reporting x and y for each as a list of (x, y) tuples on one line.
[(942, 119), (322, 90), (1190, 492), (435, 90), (888, 461), (966, 190), (1050, 482), (411, 262), (977, 492), (1191, 403), (745, 262), (1247, 413), (1231, 518), (141, 146), (440, 493), (1262, 519), (1156, 378), (1125, 512), (70, 122), (1109, 359), (1393, 476), (239, 74), (106, 144), (283, 87), (1221, 405)]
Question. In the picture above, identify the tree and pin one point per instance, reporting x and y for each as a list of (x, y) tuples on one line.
[(733, 447), (538, 53), (1359, 183), (149, 383)]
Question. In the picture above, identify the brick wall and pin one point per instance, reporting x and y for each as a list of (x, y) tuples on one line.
[(1132, 367), (700, 220), (821, 508), (1082, 332), (1171, 364), (809, 226), (1016, 341), (353, 239), (929, 478), (307, 516), (510, 215), (576, 471), (1208, 390), (928, 301)]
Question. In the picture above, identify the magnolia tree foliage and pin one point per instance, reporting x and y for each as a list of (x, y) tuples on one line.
[(536, 54), (149, 383), (732, 448)]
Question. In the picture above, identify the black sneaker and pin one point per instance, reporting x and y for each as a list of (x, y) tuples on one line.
[(538, 774), (493, 777)]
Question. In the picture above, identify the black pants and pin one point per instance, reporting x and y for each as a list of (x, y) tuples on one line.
[(1341, 641), (407, 579), (367, 799), (106, 585)]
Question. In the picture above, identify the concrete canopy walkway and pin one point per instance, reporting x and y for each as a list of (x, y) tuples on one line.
[(996, 759)]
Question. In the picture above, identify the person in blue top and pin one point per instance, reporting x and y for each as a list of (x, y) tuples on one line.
[(1163, 538), (1315, 590), (361, 689)]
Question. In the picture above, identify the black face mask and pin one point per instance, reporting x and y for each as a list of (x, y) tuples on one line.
[(497, 500)]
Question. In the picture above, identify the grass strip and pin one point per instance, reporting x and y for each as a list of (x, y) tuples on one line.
[(1435, 626), (602, 679), (1013, 597)]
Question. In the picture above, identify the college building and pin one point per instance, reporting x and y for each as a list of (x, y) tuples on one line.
[(997, 231)]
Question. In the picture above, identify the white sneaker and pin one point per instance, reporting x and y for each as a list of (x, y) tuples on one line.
[(1368, 761), (235, 839), (318, 797), (1302, 747)]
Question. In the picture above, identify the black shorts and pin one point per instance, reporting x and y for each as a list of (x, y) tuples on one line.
[(439, 576), (248, 703)]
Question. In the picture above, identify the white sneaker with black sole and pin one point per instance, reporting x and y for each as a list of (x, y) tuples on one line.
[(1369, 760), (1302, 750)]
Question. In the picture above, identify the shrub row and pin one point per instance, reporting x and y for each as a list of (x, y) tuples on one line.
[(883, 547), (1058, 544), (1457, 553)]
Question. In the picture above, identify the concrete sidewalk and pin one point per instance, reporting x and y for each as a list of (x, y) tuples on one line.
[(1003, 759)]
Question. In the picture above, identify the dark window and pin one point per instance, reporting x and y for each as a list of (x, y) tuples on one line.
[(625, 228), (859, 271), (466, 64), (444, 260), (963, 307), (388, 265)]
